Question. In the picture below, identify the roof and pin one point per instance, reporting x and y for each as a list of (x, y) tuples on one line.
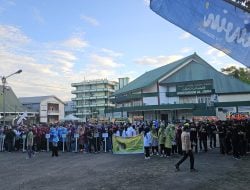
[(199, 69), (194, 68), (12, 104), (152, 76), (36, 99)]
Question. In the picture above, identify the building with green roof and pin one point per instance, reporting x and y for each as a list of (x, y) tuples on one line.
[(185, 89), (13, 107)]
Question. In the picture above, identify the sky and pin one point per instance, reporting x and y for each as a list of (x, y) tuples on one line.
[(59, 42)]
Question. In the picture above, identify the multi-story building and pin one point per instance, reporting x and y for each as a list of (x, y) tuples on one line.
[(50, 108), (181, 90), (69, 108), (92, 97)]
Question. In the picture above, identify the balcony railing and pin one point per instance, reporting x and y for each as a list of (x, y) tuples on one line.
[(53, 112), (95, 105), (92, 90), (90, 98)]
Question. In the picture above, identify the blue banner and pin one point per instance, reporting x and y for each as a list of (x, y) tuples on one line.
[(216, 22)]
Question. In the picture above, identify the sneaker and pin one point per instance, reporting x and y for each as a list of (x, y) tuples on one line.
[(236, 158), (193, 170), (177, 168)]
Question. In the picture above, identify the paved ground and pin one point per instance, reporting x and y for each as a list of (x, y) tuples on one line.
[(73, 171)]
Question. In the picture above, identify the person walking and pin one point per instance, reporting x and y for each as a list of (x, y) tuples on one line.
[(30, 143), (187, 150)]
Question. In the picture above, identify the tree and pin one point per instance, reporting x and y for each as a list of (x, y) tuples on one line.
[(240, 73)]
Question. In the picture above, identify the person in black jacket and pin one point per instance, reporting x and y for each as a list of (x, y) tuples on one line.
[(235, 141), (193, 136), (222, 133), (9, 138), (203, 136)]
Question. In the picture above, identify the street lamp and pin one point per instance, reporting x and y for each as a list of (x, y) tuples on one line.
[(4, 87)]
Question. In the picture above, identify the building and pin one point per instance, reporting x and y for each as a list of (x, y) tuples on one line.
[(185, 89), (69, 108), (13, 107), (92, 97), (123, 82), (50, 108)]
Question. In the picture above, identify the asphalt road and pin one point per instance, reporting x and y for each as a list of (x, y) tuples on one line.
[(77, 171)]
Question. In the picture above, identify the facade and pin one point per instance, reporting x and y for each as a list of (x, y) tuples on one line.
[(185, 89), (69, 108), (92, 98), (13, 107), (50, 108)]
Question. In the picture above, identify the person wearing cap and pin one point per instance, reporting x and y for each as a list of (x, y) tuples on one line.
[(187, 149)]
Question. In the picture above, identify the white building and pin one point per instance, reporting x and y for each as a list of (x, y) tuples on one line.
[(92, 97), (50, 108)]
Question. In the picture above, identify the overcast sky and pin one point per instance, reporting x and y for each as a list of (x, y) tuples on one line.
[(57, 42)]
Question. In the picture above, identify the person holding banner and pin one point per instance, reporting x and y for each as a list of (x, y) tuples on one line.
[(147, 142), (155, 143)]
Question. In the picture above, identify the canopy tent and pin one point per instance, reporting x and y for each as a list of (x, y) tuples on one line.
[(219, 23), (71, 117)]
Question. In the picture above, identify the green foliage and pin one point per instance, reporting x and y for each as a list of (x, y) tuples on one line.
[(240, 73)]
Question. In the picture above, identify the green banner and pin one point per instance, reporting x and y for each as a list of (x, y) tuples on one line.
[(194, 88), (128, 145)]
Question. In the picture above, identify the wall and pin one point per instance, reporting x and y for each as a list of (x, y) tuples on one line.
[(163, 98), (150, 100), (44, 109), (150, 89), (234, 97)]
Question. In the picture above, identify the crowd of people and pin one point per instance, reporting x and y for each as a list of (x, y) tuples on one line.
[(163, 139)]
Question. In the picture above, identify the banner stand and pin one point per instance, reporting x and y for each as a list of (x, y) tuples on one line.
[(96, 135), (76, 136), (63, 137), (24, 142), (105, 136), (47, 137), (2, 141)]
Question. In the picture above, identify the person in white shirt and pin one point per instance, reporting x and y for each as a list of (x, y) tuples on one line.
[(187, 150), (124, 132), (131, 131), (147, 142)]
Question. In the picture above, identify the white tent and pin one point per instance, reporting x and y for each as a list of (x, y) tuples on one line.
[(71, 117)]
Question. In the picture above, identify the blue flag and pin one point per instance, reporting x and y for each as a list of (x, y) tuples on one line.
[(216, 22)]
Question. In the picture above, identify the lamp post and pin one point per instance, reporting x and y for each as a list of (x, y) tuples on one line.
[(4, 87)]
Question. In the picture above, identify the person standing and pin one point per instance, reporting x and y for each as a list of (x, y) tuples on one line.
[(9, 138), (30, 143), (147, 142), (187, 150), (55, 140), (161, 135), (193, 136), (169, 134)]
